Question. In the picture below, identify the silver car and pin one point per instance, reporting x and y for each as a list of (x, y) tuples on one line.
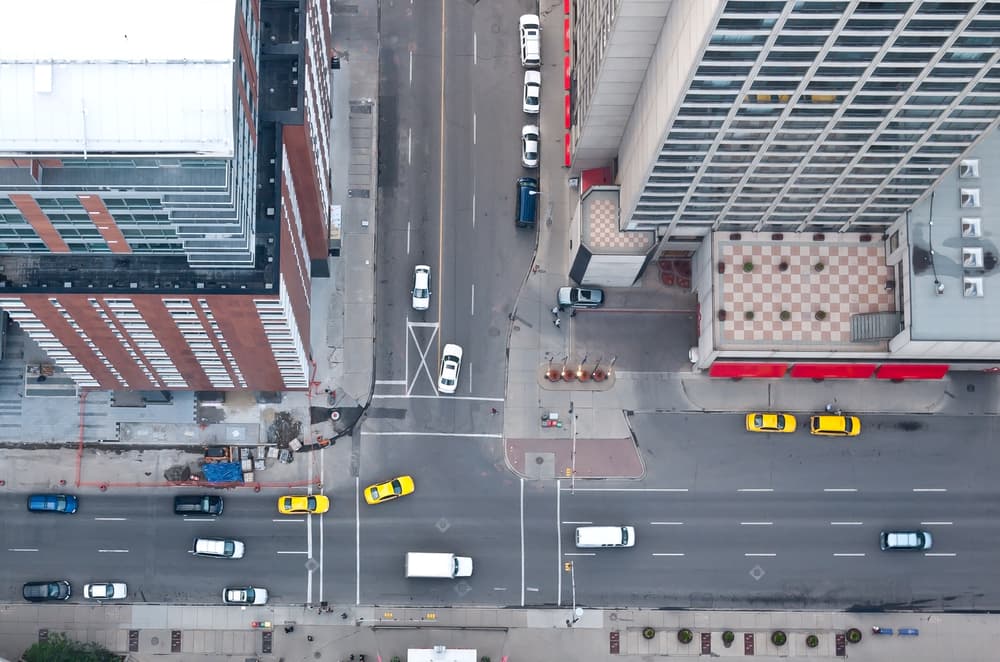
[(579, 297), (905, 540)]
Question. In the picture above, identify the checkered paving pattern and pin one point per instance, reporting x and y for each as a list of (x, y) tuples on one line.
[(602, 231), (852, 281)]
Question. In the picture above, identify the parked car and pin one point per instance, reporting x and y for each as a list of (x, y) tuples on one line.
[(769, 422), (198, 504), (219, 548), (421, 291), (451, 366), (835, 425), (389, 490), (46, 591), (530, 30), (905, 540), (531, 99), (529, 146), (527, 208), (105, 591), (580, 297), (303, 504), (53, 503), (247, 595)]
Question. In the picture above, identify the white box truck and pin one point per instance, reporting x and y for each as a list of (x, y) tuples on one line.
[(424, 564)]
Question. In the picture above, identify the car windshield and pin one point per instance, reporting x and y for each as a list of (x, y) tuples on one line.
[(397, 487), (229, 547), (311, 503), (847, 424), (374, 492), (420, 293)]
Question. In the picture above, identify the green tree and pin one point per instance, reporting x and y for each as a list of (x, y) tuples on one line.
[(57, 648)]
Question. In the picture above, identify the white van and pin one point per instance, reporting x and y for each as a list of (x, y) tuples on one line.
[(531, 41), (219, 548), (437, 565), (605, 536)]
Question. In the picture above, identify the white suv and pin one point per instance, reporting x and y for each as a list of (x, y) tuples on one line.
[(531, 41)]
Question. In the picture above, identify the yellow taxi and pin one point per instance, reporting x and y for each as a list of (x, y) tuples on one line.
[(765, 422), (389, 490), (835, 425), (303, 504)]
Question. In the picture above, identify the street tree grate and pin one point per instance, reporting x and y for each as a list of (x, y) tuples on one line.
[(133, 641), (267, 641)]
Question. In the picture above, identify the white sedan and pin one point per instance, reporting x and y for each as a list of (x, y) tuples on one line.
[(532, 92), (246, 595), (451, 365), (105, 591), (421, 287), (529, 146)]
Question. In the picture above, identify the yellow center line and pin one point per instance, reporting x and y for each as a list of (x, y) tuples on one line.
[(441, 190)]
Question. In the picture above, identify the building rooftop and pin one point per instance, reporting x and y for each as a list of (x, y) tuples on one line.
[(117, 76), (602, 232)]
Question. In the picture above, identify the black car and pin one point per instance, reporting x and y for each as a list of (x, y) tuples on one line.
[(46, 591), (198, 504)]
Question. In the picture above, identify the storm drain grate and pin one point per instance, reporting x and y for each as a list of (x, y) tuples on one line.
[(342, 8), (43, 635), (268, 640), (361, 108), (133, 641), (175, 641), (357, 193)]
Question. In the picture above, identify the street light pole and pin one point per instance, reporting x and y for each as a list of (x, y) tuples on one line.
[(572, 478)]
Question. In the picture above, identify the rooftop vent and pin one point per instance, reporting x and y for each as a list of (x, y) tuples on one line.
[(972, 227), (972, 258), (968, 168), (972, 287)]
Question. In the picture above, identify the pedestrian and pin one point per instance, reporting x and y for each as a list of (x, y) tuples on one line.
[(555, 310), (557, 322), (572, 313), (493, 411)]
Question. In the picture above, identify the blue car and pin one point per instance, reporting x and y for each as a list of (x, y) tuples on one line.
[(52, 503)]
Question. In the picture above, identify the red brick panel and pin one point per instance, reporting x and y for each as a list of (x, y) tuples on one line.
[(294, 275), (39, 222), (302, 165), (240, 324), (105, 223), (158, 318), (74, 344), (86, 316)]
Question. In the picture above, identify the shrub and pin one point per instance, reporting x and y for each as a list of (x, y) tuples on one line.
[(819, 266), (648, 633), (748, 266), (778, 638), (728, 637), (821, 315), (785, 316), (854, 635), (812, 641), (783, 266), (685, 636), (748, 315)]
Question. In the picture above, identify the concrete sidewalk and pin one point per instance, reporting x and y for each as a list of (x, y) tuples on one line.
[(226, 633)]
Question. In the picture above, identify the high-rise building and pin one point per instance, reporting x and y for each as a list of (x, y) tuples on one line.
[(779, 116), (164, 187)]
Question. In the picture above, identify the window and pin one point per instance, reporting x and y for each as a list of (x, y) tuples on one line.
[(968, 168), (969, 198)]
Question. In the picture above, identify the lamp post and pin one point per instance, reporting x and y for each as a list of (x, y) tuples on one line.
[(577, 611)]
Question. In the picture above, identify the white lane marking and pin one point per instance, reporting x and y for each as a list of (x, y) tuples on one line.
[(531, 588), (629, 489), (475, 48), (422, 352), (414, 396), (357, 540), (937, 523), (22, 549), (473, 203), (761, 554), (123, 519), (499, 588), (475, 435), (929, 489), (468, 371), (473, 128), (472, 309), (580, 554), (939, 554), (666, 523), (756, 523), (559, 545), (408, 237), (840, 489), (113, 551), (577, 522), (522, 542), (846, 554), (322, 481), (391, 382), (291, 552), (755, 489), (846, 523), (668, 554), (409, 146), (288, 519), (206, 519), (411, 67)]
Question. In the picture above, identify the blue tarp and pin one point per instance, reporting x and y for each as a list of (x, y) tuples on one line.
[(223, 472)]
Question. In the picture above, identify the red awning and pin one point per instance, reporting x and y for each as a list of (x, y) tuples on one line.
[(833, 370), (912, 371), (569, 121), (748, 369), (566, 39), (567, 74), (567, 156)]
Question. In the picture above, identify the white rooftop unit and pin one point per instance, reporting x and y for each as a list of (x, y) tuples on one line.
[(441, 654)]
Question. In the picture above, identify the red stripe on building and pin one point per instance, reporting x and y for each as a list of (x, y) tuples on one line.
[(748, 369), (105, 223), (568, 107), (567, 157), (833, 370), (566, 35), (39, 222), (567, 77), (912, 371)]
